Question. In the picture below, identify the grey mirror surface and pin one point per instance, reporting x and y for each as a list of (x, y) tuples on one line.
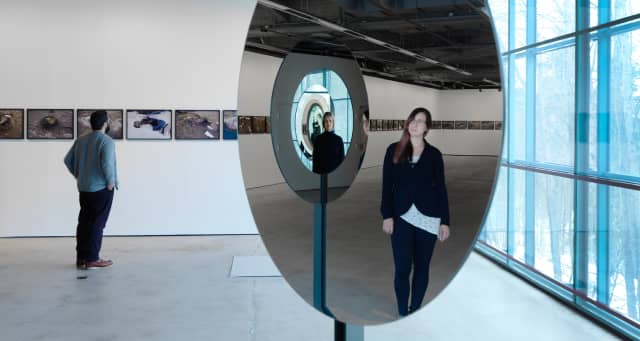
[(306, 58), (359, 260)]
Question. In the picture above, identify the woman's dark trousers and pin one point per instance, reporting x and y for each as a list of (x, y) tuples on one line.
[(412, 250), (94, 212)]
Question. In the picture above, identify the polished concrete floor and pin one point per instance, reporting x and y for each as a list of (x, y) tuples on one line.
[(359, 258), (179, 288)]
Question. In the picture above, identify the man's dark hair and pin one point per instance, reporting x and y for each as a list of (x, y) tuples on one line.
[(98, 118)]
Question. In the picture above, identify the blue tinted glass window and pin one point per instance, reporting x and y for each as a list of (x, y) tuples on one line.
[(625, 104), (555, 107)]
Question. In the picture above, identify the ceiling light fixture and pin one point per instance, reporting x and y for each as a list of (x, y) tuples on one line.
[(490, 82)]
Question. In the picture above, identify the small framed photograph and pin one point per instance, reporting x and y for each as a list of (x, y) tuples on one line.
[(267, 125), (448, 125), (149, 124), (498, 125), (258, 124), (380, 124), (50, 124), (244, 125), (230, 124), (475, 125), (461, 125), (83, 122), (436, 124), (197, 124), (373, 125), (11, 124), (488, 125)]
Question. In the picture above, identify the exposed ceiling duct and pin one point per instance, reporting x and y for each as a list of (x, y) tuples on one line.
[(436, 43)]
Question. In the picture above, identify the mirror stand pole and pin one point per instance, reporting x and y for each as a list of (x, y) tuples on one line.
[(342, 331), (320, 249), (348, 332)]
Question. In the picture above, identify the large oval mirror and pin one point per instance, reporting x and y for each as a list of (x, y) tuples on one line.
[(374, 277)]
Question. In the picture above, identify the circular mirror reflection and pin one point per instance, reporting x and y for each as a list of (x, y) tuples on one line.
[(322, 114), (317, 114)]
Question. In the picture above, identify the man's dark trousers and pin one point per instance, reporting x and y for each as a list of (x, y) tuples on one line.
[(94, 212)]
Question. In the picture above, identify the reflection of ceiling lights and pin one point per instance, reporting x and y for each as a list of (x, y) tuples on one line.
[(490, 82), (336, 27), (466, 84)]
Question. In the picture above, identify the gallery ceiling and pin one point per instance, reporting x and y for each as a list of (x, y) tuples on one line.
[(443, 44)]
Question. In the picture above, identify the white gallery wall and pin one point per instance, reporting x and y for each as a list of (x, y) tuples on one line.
[(168, 54), (142, 54)]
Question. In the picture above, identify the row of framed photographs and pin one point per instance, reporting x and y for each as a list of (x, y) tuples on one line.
[(260, 125), (391, 125), (56, 124)]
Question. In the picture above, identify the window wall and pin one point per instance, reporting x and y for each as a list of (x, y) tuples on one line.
[(566, 207)]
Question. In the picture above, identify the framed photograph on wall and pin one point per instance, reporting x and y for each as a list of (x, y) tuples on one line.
[(197, 124), (267, 125), (258, 124), (448, 125), (50, 124), (149, 124), (116, 126), (372, 125), (475, 125), (488, 125), (230, 124), (498, 125), (461, 125), (244, 125), (380, 126), (436, 124), (11, 124)]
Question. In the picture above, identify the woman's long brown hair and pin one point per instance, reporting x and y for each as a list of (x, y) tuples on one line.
[(404, 148)]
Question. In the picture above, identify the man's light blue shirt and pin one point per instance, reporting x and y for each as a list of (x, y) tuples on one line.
[(92, 161)]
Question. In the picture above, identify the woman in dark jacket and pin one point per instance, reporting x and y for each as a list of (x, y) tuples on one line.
[(415, 207), (328, 148)]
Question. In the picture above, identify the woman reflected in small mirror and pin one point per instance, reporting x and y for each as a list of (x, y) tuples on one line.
[(328, 148), (414, 208)]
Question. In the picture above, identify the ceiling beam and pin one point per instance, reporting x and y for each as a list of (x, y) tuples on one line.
[(336, 27)]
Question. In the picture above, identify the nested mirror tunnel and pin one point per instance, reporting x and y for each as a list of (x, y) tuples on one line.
[(407, 189), (317, 114)]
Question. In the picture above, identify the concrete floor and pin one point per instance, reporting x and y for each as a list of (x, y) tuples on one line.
[(359, 257), (170, 288), (178, 288)]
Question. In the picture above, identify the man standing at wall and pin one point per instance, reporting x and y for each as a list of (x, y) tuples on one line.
[(92, 161)]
